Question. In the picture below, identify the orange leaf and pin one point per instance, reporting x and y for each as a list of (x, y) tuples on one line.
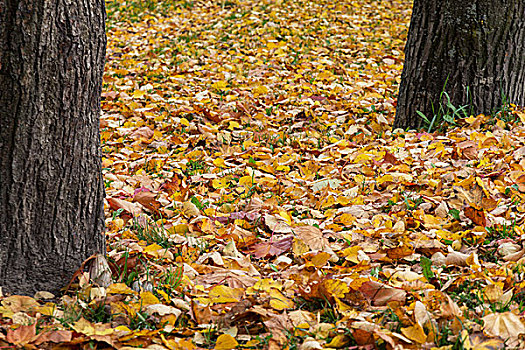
[(476, 215)]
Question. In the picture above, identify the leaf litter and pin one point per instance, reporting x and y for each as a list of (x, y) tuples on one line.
[(256, 196)]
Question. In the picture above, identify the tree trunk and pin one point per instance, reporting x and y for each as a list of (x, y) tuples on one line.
[(51, 189), (475, 48)]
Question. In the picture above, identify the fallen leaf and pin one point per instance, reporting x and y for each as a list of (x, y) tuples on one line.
[(225, 342), (504, 325), (22, 335), (380, 294), (272, 247)]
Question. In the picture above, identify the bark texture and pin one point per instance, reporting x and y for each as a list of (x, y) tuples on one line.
[(51, 190), (479, 44)]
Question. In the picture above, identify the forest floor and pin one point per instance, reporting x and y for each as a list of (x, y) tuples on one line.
[(257, 197)]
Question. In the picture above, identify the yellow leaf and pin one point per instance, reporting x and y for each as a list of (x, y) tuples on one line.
[(415, 333), (344, 201), (283, 168), (225, 342), (336, 288), (47, 310), (352, 254), (267, 168), (220, 85), (324, 75), (177, 343), (385, 178), (272, 45), (184, 122), (157, 135), (123, 329), (521, 115), (83, 326), (339, 341), (493, 293), (328, 202), (134, 105), (346, 219), (361, 158), (246, 181), (189, 209), (334, 227), (219, 162), (285, 216), (147, 298), (87, 328), (278, 301), (152, 248), (139, 94), (320, 259), (163, 294), (265, 284), (119, 288), (471, 119), (260, 90), (179, 229), (219, 183), (225, 294), (233, 125), (344, 309), (432, 222)]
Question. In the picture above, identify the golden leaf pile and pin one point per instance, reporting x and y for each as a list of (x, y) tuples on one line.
[(257, 198)]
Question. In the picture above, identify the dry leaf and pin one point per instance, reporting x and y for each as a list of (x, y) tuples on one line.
[(380, 294), (272, 247), (504, 325), (189, 209)]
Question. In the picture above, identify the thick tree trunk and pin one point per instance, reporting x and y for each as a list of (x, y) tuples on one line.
[(51, 189), (479, 45)]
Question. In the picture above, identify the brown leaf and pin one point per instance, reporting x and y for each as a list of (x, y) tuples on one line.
[(128, 207), (232, 278), (277, 324), (56, 336), (390, 158), (21, 335), (312, 236), (456, 259), (272, 247), (520, 181), (144, 132), (147, 199), (399, 252), (380, 294), (17, 303), (171, 186), (126, 265)]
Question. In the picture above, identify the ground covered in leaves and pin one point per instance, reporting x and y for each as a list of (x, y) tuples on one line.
[(257, 197)]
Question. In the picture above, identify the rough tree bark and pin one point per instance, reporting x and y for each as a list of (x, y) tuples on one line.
[(51, 189), (479, 44)]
